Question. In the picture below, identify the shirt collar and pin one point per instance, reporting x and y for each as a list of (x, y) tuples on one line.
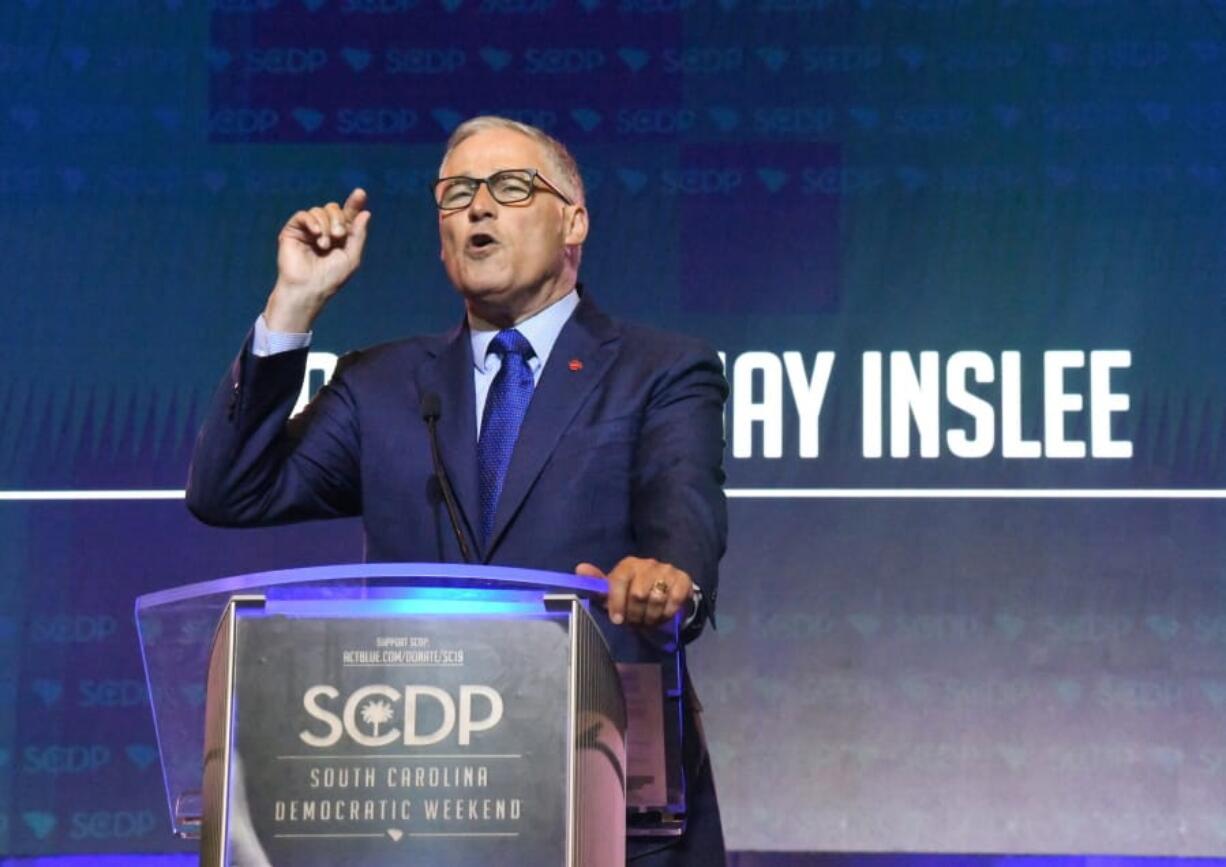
[(541, 329)]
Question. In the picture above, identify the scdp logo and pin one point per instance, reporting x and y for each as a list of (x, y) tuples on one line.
[(369, 714)]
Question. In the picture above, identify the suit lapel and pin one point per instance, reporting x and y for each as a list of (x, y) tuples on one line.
[(588, 337), (451, 378)]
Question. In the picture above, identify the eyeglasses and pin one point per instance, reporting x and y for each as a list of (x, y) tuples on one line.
[(508, 187)]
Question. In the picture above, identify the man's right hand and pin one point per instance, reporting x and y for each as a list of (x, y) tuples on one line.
[(317, 251)]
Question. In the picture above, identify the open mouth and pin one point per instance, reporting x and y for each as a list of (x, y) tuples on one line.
[(481, 241)]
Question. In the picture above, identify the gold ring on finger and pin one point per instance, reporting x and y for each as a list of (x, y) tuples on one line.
[(660, 587)]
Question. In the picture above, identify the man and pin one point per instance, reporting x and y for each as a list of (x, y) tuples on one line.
[(574, 442)]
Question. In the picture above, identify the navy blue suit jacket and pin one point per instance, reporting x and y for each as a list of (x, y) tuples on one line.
[(620, 452)]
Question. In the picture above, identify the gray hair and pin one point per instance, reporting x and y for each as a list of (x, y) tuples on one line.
[(564, 171)]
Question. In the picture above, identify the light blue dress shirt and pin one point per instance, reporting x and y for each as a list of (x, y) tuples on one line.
[(541, 329)]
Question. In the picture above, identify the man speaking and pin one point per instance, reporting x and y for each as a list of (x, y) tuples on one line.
[(574, 443)]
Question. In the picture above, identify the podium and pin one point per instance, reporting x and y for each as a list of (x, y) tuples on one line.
[(410, 713)]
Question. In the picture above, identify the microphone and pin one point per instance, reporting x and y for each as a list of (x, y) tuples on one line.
[(431, 412)]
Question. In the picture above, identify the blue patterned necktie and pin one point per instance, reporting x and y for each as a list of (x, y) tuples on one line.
[(505, 405)]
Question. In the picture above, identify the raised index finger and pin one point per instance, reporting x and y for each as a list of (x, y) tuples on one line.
[(355, 204)]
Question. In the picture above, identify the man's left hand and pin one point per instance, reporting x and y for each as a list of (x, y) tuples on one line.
[(642, 592)]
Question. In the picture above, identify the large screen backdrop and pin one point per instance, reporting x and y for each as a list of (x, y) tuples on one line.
[(964, 259)]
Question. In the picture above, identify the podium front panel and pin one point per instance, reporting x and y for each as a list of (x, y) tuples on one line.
[(399, 739)]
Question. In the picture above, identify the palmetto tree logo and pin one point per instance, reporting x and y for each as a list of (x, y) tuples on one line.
[(376, 713)]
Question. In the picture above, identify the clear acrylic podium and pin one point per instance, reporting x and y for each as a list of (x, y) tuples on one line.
[(410, 713)]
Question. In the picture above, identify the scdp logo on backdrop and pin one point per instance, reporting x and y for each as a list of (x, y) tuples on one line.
[(411, 70), (376, 71)]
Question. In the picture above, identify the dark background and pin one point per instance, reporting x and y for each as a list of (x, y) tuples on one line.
[(893, 673)]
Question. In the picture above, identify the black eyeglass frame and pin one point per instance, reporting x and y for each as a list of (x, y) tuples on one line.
[(533, 176)]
